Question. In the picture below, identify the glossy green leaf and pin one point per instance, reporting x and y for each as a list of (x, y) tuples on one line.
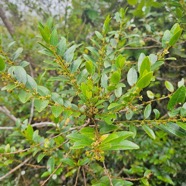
[(51, 164), (62, 46), (132, 76), (115, 77), (181, 124), (89, 66), (178, 97), (174, 129), (2, 64), (157, 113), (68, 161), (69, 54), (40, 157), (145, 66), (24, 96), (149, 131), (54, 38), (113, 105), (147, 111), (56, 110), (40, 105), (140, 60), (150, 94), (144, 81)]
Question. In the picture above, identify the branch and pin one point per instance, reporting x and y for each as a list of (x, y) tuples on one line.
[(6, 22), (14, 169), (4, 110)]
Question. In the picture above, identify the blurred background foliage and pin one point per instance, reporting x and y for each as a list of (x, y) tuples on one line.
[(77, 20)]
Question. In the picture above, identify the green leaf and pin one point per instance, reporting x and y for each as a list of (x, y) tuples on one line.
[(132, 2), (149, 131), (145, 66), (75, 65), (140, 60), (31, 83), (24, 96), (69, 54), (113, 105), (88, 131), (129, 114), (150, 94), (2, 64), (40, 105), (181, 124), (17, 53), (169, 86), (174, 129), (62, 46), (51, 164), (57, 98), (118, 92), (43, 91), (120, 61), (40, 157), (157, 113), (177, 97), (99, 35), (54, 38), (115, 78), (68, 161), (147, 111), (144, 81), (104, 80), (132, 76), (156, 65), (93, 50), (56, 110), (19, 73), (106, 24), (166, 38), (29, 132), (89, 66)]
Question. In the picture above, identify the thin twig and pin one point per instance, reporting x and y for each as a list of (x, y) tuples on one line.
[(51, 174), (31, 111), (14, 169), (107, 174), (77, 176), (84, 176), (4, 110)]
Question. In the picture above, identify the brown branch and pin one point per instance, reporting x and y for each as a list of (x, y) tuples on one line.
[(76, 182), (14, 169), (4, 110), (6, 22)]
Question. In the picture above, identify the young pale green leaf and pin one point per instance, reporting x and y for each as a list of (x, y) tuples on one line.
[(106, 25), (54, 38), (57, 110), (120, 61), (2, 64), (40, 105), (175, 31), (24, 96), (166, 38), (178, 97), (115, 78), (153, 58), (132, 76), (150, 94), (104, 80), (62, 46), (29, 132), (169, 86), (69, 54), (144, 81), (17, 53), (147, 111), (88, 131), (145, 66), (99, 35), (118, 92), (140, 60), (157, 113), (89, 66), (181, 82), (149, 131)]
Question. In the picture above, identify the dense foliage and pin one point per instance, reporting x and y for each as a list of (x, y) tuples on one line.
[(102, 106)]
